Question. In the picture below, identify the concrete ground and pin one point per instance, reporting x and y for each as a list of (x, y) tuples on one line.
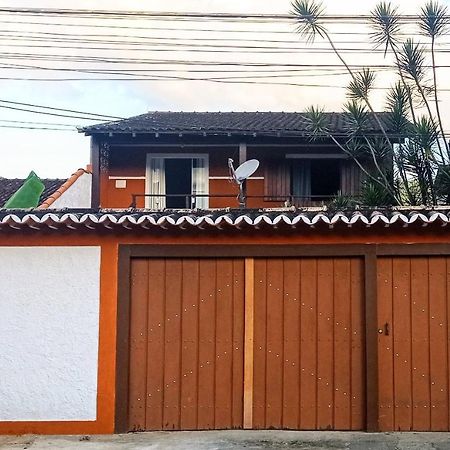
[(232, 440)]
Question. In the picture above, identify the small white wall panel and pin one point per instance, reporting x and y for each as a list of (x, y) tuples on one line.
[(49, 322), (77, 196)]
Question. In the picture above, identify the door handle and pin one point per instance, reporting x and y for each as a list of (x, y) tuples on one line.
[(384, 330)]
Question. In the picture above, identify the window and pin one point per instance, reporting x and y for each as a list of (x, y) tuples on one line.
[(175, 180), (315, 179)]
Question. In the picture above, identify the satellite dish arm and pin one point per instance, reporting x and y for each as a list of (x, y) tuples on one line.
[(232, 171)]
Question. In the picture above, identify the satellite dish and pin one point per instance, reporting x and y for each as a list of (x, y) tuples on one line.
[(244, 171), (240, 174)]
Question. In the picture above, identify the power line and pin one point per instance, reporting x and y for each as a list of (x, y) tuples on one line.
[(82, 37), (202, 48), (167, 28), (16, 108), (35, 128), (185, 15), (178, 78), (38, 123), (94, 115)]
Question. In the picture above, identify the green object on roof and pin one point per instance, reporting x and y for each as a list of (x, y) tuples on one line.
[(28, 195)]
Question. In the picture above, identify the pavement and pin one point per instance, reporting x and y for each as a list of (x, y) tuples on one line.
[(232, 440)]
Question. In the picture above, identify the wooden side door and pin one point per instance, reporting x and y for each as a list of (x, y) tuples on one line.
[(413, 343)]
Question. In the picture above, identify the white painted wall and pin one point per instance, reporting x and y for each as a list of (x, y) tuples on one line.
[(49, 321), (77, 196)]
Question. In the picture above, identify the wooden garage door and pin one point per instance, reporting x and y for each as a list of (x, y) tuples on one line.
[(302, 365), (413, 308), (186, 344), (309, 364)]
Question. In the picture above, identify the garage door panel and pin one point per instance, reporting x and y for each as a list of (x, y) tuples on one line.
[(238, 282), (189, 353), (420, 372), (385, 345), (155, 347), (358, 355), (342, 344), (224, 342), (172, 350), (308, 343), (274, 355), (138, 344), (207, 332), (291, 332), (260, 345), (402, 347), (325, 339)]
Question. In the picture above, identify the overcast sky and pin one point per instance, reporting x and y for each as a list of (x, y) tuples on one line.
[(59, 153)]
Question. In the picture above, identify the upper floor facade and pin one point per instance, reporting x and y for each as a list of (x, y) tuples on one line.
[(170, 160)]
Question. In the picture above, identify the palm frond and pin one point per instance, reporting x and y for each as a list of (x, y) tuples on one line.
[(385, 22), (442, 184), (317, 123), (356, 115), (307, 14), (397, 104), (433, 19), (372, 194), (341, 202), (411, 60), (380, 149), (425, 134), (361, 84)]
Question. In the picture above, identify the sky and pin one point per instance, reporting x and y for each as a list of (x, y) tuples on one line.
[(56, 153)]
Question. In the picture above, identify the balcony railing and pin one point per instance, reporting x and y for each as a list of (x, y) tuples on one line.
[(190, 200)]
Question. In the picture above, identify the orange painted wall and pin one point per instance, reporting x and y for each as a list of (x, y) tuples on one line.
[(134, 166), (109, 243)]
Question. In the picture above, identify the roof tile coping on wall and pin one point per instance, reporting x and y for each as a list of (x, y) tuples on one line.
[(220, 218), (63, 188)]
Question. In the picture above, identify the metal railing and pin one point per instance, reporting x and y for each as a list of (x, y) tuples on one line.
[(190, 200)]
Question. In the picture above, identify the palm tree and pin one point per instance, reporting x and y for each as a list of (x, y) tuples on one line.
[(417, 165), (385, 22), (434, 22), (308, 14)]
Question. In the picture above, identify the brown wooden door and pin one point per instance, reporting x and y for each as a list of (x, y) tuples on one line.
[(309, 364), (186, 344), (413, 295)]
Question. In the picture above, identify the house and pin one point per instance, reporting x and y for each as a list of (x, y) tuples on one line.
[(74, 192), (179, 160), (117, 319)]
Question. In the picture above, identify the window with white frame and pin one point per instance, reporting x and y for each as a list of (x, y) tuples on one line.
[(177, 181)]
